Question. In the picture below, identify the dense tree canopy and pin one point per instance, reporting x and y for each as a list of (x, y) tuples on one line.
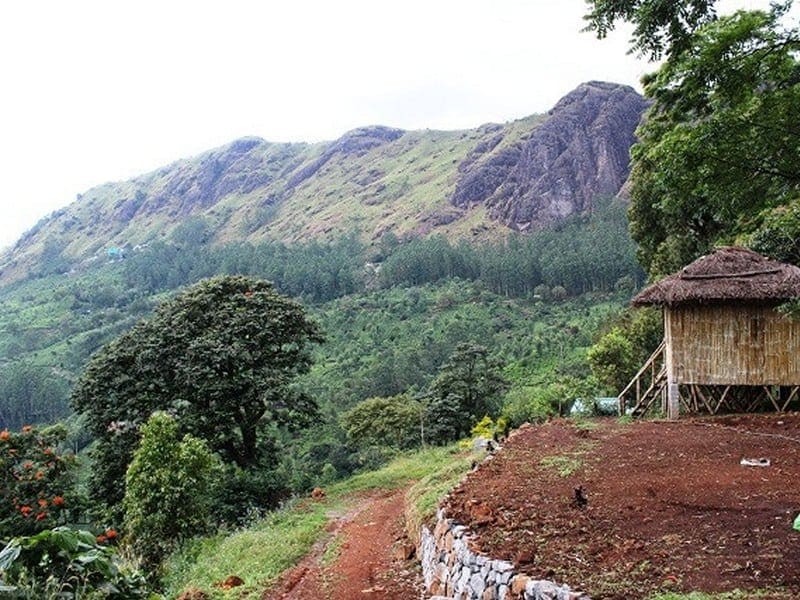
[(719, 144), (394, 421), (221, 357)]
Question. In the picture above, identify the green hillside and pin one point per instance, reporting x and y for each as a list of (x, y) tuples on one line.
[(252, 190), (392, 314)]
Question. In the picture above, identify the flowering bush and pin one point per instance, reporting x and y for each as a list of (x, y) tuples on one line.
[(35, 480)]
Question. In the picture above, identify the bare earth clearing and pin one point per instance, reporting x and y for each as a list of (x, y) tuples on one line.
[(670, 507)]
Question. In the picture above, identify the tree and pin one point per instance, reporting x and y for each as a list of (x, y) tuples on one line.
[(536, 403), (221, 356), (778, 235), (612, 360), (469, 386), (31, 393), (168, 490), (719, 144), (618, 354), (660, 28), (391, 421)]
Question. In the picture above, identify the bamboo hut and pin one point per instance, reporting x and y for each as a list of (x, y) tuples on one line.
[(725, 344)]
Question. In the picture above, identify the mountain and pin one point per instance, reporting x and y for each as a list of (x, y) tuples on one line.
[(475, 183)]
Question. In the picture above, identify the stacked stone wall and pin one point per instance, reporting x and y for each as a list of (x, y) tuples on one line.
[(453, 569)]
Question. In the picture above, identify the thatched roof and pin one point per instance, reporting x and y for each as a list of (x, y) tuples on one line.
[(729, 275)]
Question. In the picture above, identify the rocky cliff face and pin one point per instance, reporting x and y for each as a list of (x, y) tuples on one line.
[(579, 153), (373, 180)]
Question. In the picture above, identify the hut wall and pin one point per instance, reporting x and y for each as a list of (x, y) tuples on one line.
[(731, 345)]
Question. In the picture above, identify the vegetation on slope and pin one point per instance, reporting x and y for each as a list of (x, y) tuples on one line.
[(262, 551)]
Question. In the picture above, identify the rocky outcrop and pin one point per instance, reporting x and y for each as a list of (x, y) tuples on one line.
[(235, 168), (372, 180), (579, 153), (353, 143)]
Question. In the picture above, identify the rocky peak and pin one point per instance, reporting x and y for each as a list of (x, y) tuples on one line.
[(353, 143), (214, 175), (581, 152)]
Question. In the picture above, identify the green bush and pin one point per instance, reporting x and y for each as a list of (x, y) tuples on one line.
[(168, 490), (612, 360), (537, 403), (244, 495)]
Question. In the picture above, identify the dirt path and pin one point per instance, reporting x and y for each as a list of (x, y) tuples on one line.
[(362, 556)]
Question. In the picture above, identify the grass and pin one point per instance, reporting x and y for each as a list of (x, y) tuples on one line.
[(259, 554), (422, 498), (566, 465)]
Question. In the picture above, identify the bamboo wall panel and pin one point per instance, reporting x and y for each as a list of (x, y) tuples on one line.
[(732, 345)]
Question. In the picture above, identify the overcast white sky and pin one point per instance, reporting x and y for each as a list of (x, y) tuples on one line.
[(96, 90)]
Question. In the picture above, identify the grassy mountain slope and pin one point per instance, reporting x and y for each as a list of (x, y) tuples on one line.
[(473, 184), (251, 190)]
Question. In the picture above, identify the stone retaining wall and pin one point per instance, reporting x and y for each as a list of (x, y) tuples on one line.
[(453, 570)]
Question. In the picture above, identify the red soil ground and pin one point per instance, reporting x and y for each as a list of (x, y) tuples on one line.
[(370, 563), (670, 507)]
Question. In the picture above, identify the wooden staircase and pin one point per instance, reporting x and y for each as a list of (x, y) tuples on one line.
[(647, 385)]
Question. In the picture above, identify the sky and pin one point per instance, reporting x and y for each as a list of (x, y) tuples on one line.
[(93, 91)]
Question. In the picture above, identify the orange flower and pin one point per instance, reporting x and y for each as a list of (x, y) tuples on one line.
[(101, 539), (42, 502), (111, 534), (4, 435), (25, 510), (28, 465), (58, 501), (39, 474), (27, 429), (41, 516)]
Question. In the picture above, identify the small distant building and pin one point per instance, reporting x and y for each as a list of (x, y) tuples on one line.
[(115, 253), (725, 344)]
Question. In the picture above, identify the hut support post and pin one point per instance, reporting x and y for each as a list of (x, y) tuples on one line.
[(673, 401)]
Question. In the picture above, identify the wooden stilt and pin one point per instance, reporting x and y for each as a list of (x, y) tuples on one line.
[(673, 401), (721, 399), (703, 398)]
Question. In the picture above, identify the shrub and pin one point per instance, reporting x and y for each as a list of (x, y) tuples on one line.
[(168, 490), (36, 481), (537, 403), (612, 360), (66, 564)]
